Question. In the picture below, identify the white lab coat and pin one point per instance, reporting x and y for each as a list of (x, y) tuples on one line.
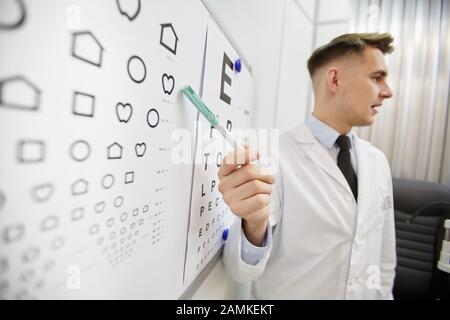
[(322, 244)]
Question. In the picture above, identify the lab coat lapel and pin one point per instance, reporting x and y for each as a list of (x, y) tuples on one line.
[(366, 174), (319, 155)]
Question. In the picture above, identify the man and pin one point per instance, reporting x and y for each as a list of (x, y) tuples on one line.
[(326, 228)]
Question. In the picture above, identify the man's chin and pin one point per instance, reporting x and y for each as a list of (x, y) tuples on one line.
[(365, 122)]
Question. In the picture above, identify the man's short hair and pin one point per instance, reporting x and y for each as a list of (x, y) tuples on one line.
[(348, 44)]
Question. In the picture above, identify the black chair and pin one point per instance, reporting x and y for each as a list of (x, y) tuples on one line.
[(420, 210)]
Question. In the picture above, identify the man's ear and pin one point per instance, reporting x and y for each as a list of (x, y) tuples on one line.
[(332, 79)]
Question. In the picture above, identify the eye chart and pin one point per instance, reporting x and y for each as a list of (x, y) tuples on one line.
[(92, 203), (228, 94)]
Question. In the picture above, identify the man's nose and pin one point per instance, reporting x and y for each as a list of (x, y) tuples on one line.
[(386, 92)]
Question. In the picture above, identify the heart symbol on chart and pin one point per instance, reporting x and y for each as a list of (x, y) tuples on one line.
[(140, 149), (168, 82), (124, 112)]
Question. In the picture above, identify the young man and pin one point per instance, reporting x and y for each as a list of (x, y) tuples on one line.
[(326, 229)]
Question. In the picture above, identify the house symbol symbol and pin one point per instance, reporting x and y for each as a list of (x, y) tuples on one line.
[(169, 38)]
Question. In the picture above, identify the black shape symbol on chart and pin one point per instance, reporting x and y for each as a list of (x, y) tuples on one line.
[(124, 112), (140, 149), (108, 181), (168, 37), (57, 243), (26, 276), (129, 177), (2, 200), (87, 48), (110, 222), (123, 216), (80, 187), (31, 254), (100, 241), (118, 202), (18, 14), (77, 214), (168, 83), (19, 93), (100, 207), (4, 286), (49, 223), (129, 8), (13, 233), (153, 118), (115, 151), (95, 228), (49, 265), (43, 192), (4, 266), (136, 69), (31, 151), (83, 104), (80, 150)]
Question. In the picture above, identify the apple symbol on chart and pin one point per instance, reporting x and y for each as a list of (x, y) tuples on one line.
[(129, 8), (140, 149), (124, 112), (168, 83)]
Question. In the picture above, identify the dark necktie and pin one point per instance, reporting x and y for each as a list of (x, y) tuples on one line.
[(344, 163)]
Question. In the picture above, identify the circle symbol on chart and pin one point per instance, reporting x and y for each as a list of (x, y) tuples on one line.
[(136, 69), (118, 201), (80, 150), (153, 118), (108, 181)]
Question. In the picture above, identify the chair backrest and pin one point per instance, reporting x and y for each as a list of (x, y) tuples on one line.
[(420, 210)]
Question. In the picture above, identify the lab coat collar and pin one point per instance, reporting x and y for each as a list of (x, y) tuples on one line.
[(319, 155)]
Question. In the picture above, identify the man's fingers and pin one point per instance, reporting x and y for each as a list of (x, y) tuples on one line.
[(240, 176), (245, 207), (235, 159), (247, 190)]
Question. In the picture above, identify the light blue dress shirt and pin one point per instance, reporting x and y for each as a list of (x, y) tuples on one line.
[(326, 136)]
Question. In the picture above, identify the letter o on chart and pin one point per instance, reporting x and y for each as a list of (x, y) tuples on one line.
[(136, 69), (153, 118), (80, 150)]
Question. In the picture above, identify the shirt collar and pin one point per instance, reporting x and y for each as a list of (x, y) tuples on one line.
[(323, 133)]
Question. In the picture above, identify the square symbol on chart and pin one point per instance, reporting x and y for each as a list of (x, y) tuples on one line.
[(31, 151), (129, 177), (83, 104)]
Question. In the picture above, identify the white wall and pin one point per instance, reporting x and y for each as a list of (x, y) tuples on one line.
[(277, 37)]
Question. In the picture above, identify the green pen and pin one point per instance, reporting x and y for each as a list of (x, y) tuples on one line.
[(204, 110)]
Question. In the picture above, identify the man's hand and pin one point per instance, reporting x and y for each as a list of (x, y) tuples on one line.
[(247, 192)]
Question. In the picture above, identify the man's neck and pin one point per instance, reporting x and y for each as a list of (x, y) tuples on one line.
[(332, 121)]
